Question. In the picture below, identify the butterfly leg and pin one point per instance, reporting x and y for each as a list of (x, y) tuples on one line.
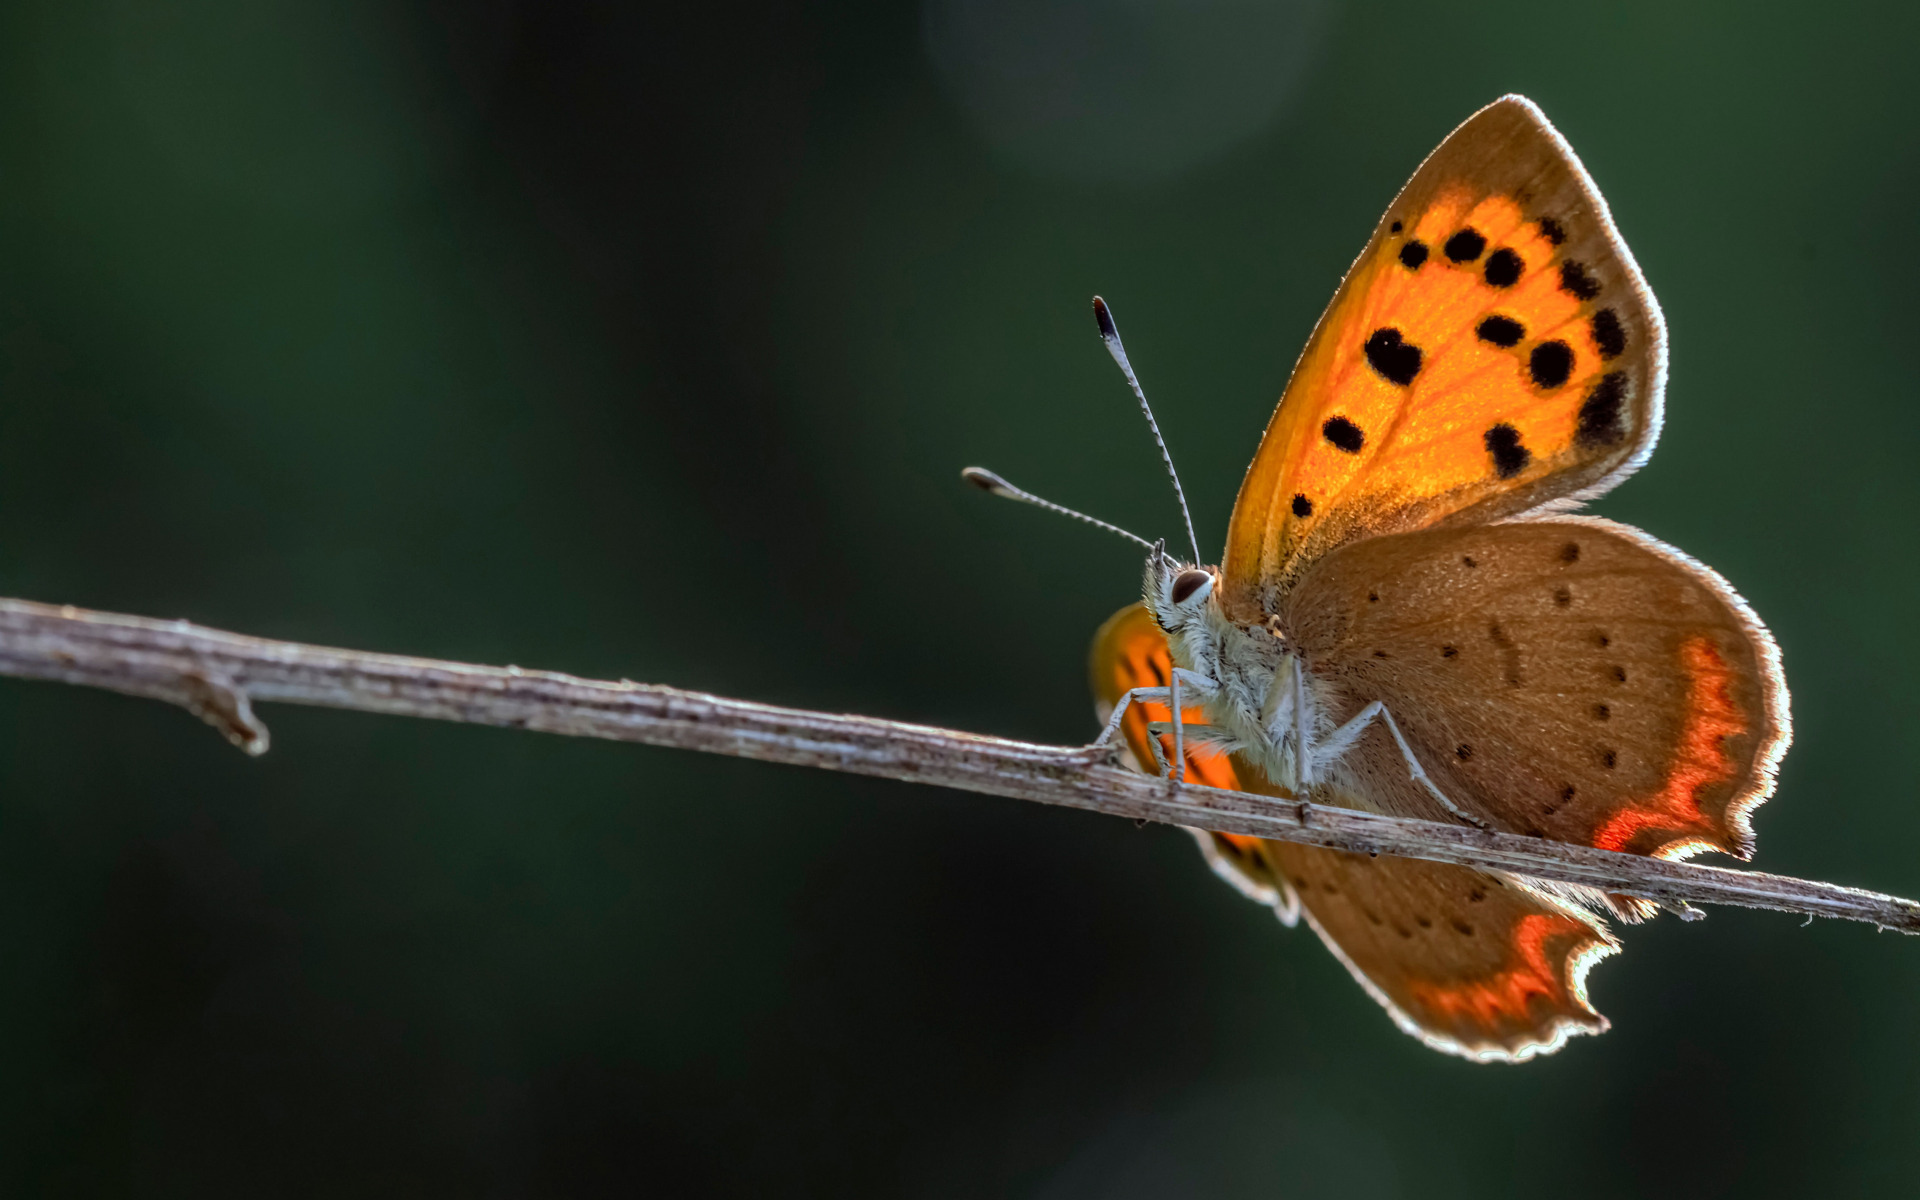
[(1144, 695), (1189, 731), (1179, 771), (1277, 714), (1302, 723), (1202, 686), (1342, 739)]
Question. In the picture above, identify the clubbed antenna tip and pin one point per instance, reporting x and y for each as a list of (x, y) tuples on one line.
[(1110, 334), (987, 481), (992, 484)]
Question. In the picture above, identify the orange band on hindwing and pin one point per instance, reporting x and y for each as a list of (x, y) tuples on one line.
[(1702, 761)]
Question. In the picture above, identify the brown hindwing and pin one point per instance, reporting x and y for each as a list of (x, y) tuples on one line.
[(1568, 678), (1468, 962)]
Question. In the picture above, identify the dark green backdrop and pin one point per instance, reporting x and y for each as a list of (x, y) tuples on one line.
[(648, 343)]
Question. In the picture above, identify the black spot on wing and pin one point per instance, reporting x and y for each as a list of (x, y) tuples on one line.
[(1465, 246), (1412, 255), (1575, 280), (1602, 413), (1608, 335), (1395, 227), (1504, 268), (1396, 360), (1501, 331), (1550, 364), (1344, 434), (1302, 507), (1550, 229), (1509, 456)]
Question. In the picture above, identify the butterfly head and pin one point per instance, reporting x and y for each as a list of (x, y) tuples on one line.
[(1180, 595)]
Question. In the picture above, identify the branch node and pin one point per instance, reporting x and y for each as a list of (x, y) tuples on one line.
[(1683, 910), (222, 704)]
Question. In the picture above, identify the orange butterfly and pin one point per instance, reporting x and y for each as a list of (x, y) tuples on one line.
[(1408, 621)]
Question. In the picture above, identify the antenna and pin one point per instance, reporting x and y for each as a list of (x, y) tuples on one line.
[(987, 481), (1110, 334)]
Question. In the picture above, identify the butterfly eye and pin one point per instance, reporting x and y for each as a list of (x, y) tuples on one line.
[(1187, 582)]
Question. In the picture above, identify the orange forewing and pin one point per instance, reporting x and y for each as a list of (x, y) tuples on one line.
[(1493, 348), (1471, 963)]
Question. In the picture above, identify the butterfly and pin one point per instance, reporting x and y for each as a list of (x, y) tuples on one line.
[(1409, 618)]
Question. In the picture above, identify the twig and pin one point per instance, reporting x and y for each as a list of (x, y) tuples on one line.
[(219, 675)]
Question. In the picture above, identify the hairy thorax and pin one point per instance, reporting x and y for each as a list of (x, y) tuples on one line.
[(1257, 684)]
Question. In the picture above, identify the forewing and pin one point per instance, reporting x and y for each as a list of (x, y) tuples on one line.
[(1567, 677), (1493, 349), (1469, 962)]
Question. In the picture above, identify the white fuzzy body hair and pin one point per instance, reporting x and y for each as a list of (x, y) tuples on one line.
[(1261, 701)]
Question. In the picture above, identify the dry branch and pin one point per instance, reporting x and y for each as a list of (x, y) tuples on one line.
[(220, 675)]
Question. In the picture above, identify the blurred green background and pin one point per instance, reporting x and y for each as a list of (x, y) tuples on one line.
[(646, 341)]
